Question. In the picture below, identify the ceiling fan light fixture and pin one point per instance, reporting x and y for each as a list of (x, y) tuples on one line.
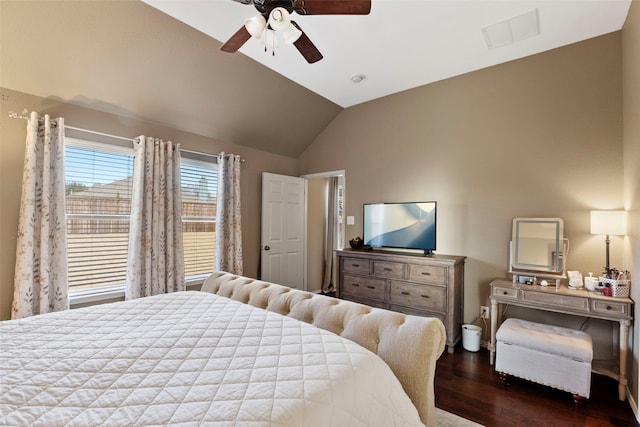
[(256, 25), (291, 34), (279, 19)]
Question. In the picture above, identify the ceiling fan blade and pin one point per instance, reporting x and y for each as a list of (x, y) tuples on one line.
[(306, 47), (236, 41), (332, 7)]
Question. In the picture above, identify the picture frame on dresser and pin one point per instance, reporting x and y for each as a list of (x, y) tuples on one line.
[(406, 282)]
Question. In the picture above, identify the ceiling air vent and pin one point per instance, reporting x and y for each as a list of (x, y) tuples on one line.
[(512, 30)]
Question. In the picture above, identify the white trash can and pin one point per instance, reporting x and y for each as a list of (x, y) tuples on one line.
[(471, 337)]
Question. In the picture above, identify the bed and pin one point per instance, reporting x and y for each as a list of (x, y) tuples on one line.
[(202, 358)]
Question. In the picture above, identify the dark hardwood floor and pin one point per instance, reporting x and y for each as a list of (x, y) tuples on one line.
[(467, 385)]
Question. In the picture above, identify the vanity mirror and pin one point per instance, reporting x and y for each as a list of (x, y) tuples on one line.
[(538, 248)]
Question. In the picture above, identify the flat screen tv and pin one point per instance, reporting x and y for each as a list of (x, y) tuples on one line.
[(400, 225)]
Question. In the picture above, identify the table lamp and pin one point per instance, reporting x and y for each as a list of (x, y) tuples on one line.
[(608, 223)]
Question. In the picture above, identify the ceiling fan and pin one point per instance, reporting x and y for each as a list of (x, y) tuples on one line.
[(275, 17)]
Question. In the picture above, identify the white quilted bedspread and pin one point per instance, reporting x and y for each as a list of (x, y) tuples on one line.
[(190, 358)]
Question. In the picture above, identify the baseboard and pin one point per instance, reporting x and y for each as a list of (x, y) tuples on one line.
[(633, 404)]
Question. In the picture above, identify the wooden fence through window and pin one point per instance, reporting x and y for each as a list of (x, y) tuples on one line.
[(205, 212)]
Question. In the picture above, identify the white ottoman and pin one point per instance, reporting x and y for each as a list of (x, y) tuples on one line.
[(551, 355)]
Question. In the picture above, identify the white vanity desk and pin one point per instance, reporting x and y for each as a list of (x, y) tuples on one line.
[(568, 301)]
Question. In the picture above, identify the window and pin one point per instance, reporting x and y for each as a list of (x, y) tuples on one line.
[(98, 197), (199, 182)]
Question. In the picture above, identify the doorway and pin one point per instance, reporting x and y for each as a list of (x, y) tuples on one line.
[(301, 229), (325, 229)]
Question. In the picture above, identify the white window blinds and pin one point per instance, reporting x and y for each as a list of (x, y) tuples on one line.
[(199, 182), (98, 197)]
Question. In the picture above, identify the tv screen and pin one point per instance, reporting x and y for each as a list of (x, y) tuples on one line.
[(400, 225)]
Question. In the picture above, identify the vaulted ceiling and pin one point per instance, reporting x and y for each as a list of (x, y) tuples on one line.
[(134, 60), (402, 44)]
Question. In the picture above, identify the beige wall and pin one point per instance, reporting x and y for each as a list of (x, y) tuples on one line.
[(631, 146), (12, 138), (540, 136)]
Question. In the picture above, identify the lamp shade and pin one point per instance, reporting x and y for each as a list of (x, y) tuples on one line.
[(609, 222)]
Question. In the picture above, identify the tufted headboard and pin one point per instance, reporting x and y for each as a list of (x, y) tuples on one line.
[(410, 345)]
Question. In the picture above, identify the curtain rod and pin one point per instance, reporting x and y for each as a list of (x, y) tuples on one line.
[(22, 116), (108, 135), (199, 153)]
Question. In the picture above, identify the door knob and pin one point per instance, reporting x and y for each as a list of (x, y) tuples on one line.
[(266, 248)]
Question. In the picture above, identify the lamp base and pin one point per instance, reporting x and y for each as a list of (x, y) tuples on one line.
[(606, 242)]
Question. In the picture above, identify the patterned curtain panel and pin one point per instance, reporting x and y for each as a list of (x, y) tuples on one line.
[(40, 284), (156, 252), (228, 246)]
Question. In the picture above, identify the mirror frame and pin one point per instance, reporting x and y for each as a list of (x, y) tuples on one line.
[(557, 268)]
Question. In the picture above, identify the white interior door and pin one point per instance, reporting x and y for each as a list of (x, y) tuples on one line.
[(283, 243)]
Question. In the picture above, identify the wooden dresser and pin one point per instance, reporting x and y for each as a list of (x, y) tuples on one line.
[(409, 283)]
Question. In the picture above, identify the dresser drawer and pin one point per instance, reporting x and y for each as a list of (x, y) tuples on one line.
[(609, 307), (505, 293), (365, 301), (356, 265), (422, 297), (392, 270), (364, 287), (427, 273), (416, 312)]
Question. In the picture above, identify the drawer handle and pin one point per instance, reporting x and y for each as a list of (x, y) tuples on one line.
[(609, 307), (505, 293), (355, 265), (426, 273), (355, 284), (388, 269), (405, 293), (371, 287), (425, 296)]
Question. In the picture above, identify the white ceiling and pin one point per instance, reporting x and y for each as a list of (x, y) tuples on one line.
[(403, 44)]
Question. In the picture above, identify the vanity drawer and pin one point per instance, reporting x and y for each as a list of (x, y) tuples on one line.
[(392, 270), (364, 287), (561, 301), (609, 307), (427, 273), (421, 297), (356, 265), (505, 293)]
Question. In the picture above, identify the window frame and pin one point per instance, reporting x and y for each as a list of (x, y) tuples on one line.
[(195, 159), (111, 293), (106, 292)]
